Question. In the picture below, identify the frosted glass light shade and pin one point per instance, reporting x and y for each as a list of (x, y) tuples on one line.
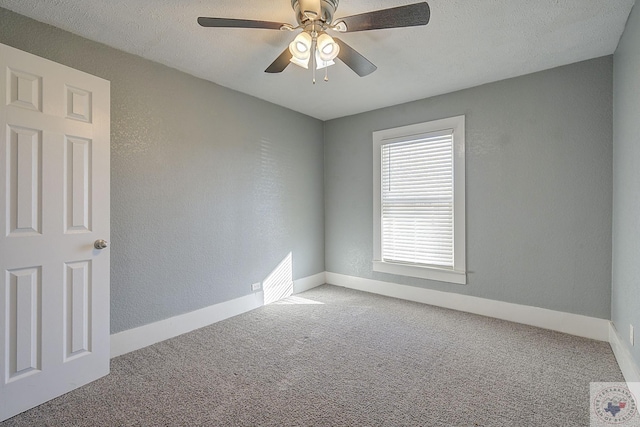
[(300, 48), (328, 49)]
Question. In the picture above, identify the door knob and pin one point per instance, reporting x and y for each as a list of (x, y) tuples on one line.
[(100, 244)]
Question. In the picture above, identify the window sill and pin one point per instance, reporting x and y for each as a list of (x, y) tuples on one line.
[(431, 273)]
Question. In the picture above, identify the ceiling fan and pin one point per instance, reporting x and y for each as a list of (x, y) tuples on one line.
[(314, 45)]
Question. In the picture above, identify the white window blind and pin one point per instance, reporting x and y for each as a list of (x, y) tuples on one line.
[(417, 200)]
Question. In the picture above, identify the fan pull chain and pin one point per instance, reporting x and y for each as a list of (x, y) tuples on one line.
[(326, 74), (314, 65), (314, 46)]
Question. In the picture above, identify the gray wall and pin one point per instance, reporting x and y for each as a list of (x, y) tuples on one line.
[(625, 298), (539, 183), (211, 188)]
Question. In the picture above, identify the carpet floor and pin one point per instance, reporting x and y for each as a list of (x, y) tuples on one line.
[(338, 357)]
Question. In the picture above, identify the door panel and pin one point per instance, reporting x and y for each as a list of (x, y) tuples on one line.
[(54, 203), (77, 309), (24, 288), (78, 185)]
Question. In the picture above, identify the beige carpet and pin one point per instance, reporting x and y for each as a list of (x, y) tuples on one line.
[(338, 357)]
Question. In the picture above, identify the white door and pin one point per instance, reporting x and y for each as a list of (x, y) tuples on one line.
[(54, 204)]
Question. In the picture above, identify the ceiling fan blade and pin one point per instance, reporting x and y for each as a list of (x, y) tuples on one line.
[(280, 63), (358, 63), (403, 16), (239, 23)]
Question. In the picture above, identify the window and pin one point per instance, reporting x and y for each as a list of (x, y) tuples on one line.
[(419, 210)]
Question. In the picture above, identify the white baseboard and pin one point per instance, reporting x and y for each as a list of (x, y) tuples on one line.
[(628, 366), (574, 324), (306, 283), (143, 336)]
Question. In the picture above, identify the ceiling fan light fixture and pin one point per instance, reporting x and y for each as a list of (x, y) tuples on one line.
[(328, 49), (300, 49), (315, 17)]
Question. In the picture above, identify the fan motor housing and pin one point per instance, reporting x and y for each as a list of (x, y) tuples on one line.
[(327, 9)]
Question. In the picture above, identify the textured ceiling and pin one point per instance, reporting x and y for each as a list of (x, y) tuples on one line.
[(467, 43)]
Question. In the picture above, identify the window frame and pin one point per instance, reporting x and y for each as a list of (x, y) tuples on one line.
[(457, 274)]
